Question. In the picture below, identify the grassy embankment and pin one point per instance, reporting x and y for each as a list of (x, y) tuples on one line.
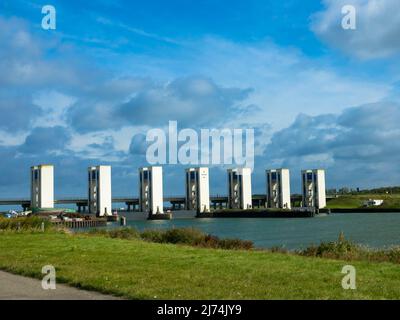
[(138, 269), (351, 201)]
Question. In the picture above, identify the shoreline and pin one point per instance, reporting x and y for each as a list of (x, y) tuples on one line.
[(257, 213), (361, 210)]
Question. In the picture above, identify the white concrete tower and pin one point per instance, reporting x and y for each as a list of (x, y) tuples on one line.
[(278, 188), (42, 186), (313, 188), (99, 182), (239, 188), (151, 190), (197, 189)]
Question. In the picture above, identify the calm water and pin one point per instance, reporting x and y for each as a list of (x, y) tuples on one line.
[(372, 229)]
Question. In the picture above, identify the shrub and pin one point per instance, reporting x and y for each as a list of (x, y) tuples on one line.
[(194, 237), (121, 233), (346, 250), (152, 235), (279, 249), (210, 241), (124, 233), (341, 249), (95, 231), (188, 236), (24, 223), (235, 244), (393, 255)]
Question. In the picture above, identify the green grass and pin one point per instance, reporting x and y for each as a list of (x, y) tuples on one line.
[(356, 201), (24, 223), (138, 269)]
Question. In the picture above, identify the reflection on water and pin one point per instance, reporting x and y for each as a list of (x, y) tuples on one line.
[(372, 229)]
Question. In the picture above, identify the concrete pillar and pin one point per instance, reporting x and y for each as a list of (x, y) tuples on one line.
[(313, 186), (151, 190), (278, 188), (99, 188), (197, 189), (42, 186), (239, 188)]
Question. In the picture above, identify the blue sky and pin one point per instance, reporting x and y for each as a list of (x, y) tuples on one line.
[(317, 95)]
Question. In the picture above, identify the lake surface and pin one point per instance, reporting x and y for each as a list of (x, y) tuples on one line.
[(372, 229)]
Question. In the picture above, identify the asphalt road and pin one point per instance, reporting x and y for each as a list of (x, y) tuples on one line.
[(13, 287)]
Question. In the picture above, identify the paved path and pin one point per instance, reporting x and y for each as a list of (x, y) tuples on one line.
[(13, 287)]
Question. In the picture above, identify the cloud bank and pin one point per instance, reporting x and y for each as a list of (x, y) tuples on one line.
[(60, 107), (359, 146), (377, 31)]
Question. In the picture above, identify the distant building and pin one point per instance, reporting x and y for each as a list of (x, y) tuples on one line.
[(332, 191), (99, 188), (372, 202), (278, 188), (313, 188), (239, 188), (42, 186), (151, 190), (197, 189), (344, 190)]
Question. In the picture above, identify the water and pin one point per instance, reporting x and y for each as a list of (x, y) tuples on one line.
[(373, 229)]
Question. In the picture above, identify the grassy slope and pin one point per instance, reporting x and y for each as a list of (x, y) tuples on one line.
[(356, 201), (141, 270)]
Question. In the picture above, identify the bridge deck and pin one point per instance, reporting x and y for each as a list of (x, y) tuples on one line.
[(132, 200)]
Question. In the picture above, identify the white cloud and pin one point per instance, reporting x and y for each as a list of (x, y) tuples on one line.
[(54, 104), (285, 82), (377, 27), (8, 139), (99, 145), (137, 31), (365, 145)]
